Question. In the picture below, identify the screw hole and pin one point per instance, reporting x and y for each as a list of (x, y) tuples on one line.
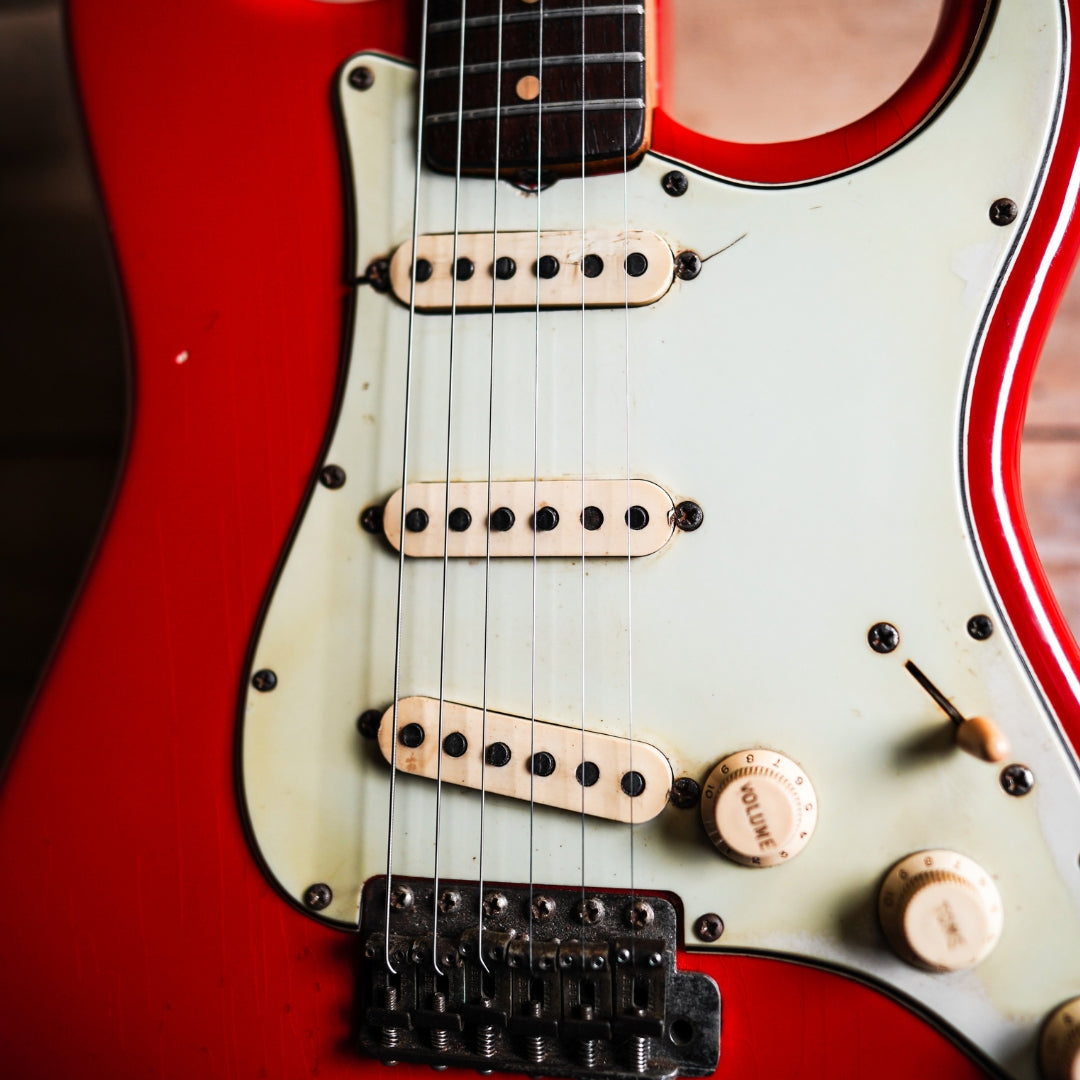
[(681, 1031)]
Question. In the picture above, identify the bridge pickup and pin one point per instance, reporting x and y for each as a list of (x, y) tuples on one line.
[(564, 270), (611, 777), (609, 523)]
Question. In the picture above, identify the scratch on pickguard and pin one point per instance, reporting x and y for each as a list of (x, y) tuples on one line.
[(726, 247)]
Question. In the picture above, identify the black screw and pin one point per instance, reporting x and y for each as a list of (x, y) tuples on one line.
[(505, 268), (497, 754), (592, 266), (587, 773), (688, 516), (332, 476), (455, 744), (548, 266), (1003, 211), (636, 264), (1017, 779), (459, 520), (883, 637), (637, 517), (980, 627), (423, 270), (546, 518), (318, 896), (377, 275), (361, 78), (371, 519), (709, 927), (687, 265), (411, 735), (592, 517), (502, 520), (464, 269), (685, 793), (632, 783), (368, 722), (264, 680), (416, 520), (675, 183), (543, 763)]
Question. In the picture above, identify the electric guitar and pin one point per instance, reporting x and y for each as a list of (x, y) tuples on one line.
[(568, 609)]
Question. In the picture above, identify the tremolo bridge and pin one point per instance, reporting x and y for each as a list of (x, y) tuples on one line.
[(559, 982)]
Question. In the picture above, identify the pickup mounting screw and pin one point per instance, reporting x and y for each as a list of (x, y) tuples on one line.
[(377, 275), (502, 520), (685, 793), (459, 520), (639, 914), (675, 183), (546, 518), (361, 78), (687, 265), (332, 476), (411, 735), (883, 637), (264, 680), (368, 723), (371, 519), (1017, 779), (495, 904), (318, 896), (543, 907), (449, 899), (416, 520), (1003, 211), (401, 897), (590, 911), (688, 516), (709, 927), (980, 627)]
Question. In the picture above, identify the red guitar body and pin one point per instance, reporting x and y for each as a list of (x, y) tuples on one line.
[(139, 936)]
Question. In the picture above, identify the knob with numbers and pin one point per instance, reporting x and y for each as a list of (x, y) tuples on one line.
[(940, 911), (759, 808), (1059, 1047)]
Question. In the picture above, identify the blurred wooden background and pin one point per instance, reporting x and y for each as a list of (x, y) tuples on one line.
[(753, 70)]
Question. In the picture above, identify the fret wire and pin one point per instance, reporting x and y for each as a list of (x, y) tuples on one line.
[(549, 61), (444, 25), (599, 105)]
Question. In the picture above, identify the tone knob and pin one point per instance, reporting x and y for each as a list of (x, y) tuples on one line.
[(759, 808), (940, 911), (1059, 1047)]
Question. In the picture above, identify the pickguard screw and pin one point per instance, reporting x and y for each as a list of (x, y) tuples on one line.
[(371, 519), (318, 896), (411, 735), (368, 723), (377, 275), (980, 627), (709, 927), (401, 898), (264, 680), (590, 911), (687, 265), (675, 183), (361, 78), (639, 914), (688, 516), (543, 907), (448, 900), (1017, 779), (1003, 211), (883, 637), (685, 793), (495, 904), (332, 476)]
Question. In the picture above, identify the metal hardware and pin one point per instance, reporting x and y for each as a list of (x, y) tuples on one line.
[(980, 627), (368, 723), (318, 896), (540, 1001), (675, 183), (455, 744), (377, 275), (709, 927), (264, 680), (459, 520), (401, 897), (883, 637), (685, 793), (416, 520), (632, 783), (464, 268), (1017, 779), (687, 265), (590, 911), (449, 899), (332, 476), (497, 754), (546, 518), (1003, 211), (411, 735), (688, 516), (636, 264), (502, 519), (592, 517), (640, 914), (593, 266), (371, 519), (361, 78), (543, 763)]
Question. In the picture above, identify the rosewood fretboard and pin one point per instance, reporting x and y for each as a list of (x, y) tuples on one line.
[(565, 64)]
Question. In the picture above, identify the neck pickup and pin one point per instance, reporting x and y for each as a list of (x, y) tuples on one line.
[(555, 86)]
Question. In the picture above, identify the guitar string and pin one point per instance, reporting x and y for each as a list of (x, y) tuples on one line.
[(487, 531), (581, 272), (392, 796), (446, 495)]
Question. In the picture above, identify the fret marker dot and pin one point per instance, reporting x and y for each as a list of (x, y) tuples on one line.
[(528, 88)]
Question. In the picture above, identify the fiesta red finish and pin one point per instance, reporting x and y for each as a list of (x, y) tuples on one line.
[(137, 934)]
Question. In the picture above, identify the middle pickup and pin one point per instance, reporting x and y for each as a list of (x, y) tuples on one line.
[(548, 518)]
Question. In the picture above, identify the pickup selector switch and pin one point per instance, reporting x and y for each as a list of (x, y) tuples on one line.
[(759, 808), (940, 911)]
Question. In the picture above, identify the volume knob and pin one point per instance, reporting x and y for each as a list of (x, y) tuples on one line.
[(940, 911), (759, 808)]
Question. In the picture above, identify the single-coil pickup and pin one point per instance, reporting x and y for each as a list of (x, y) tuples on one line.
[(604, 776), (564, 518), (525, 269)]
